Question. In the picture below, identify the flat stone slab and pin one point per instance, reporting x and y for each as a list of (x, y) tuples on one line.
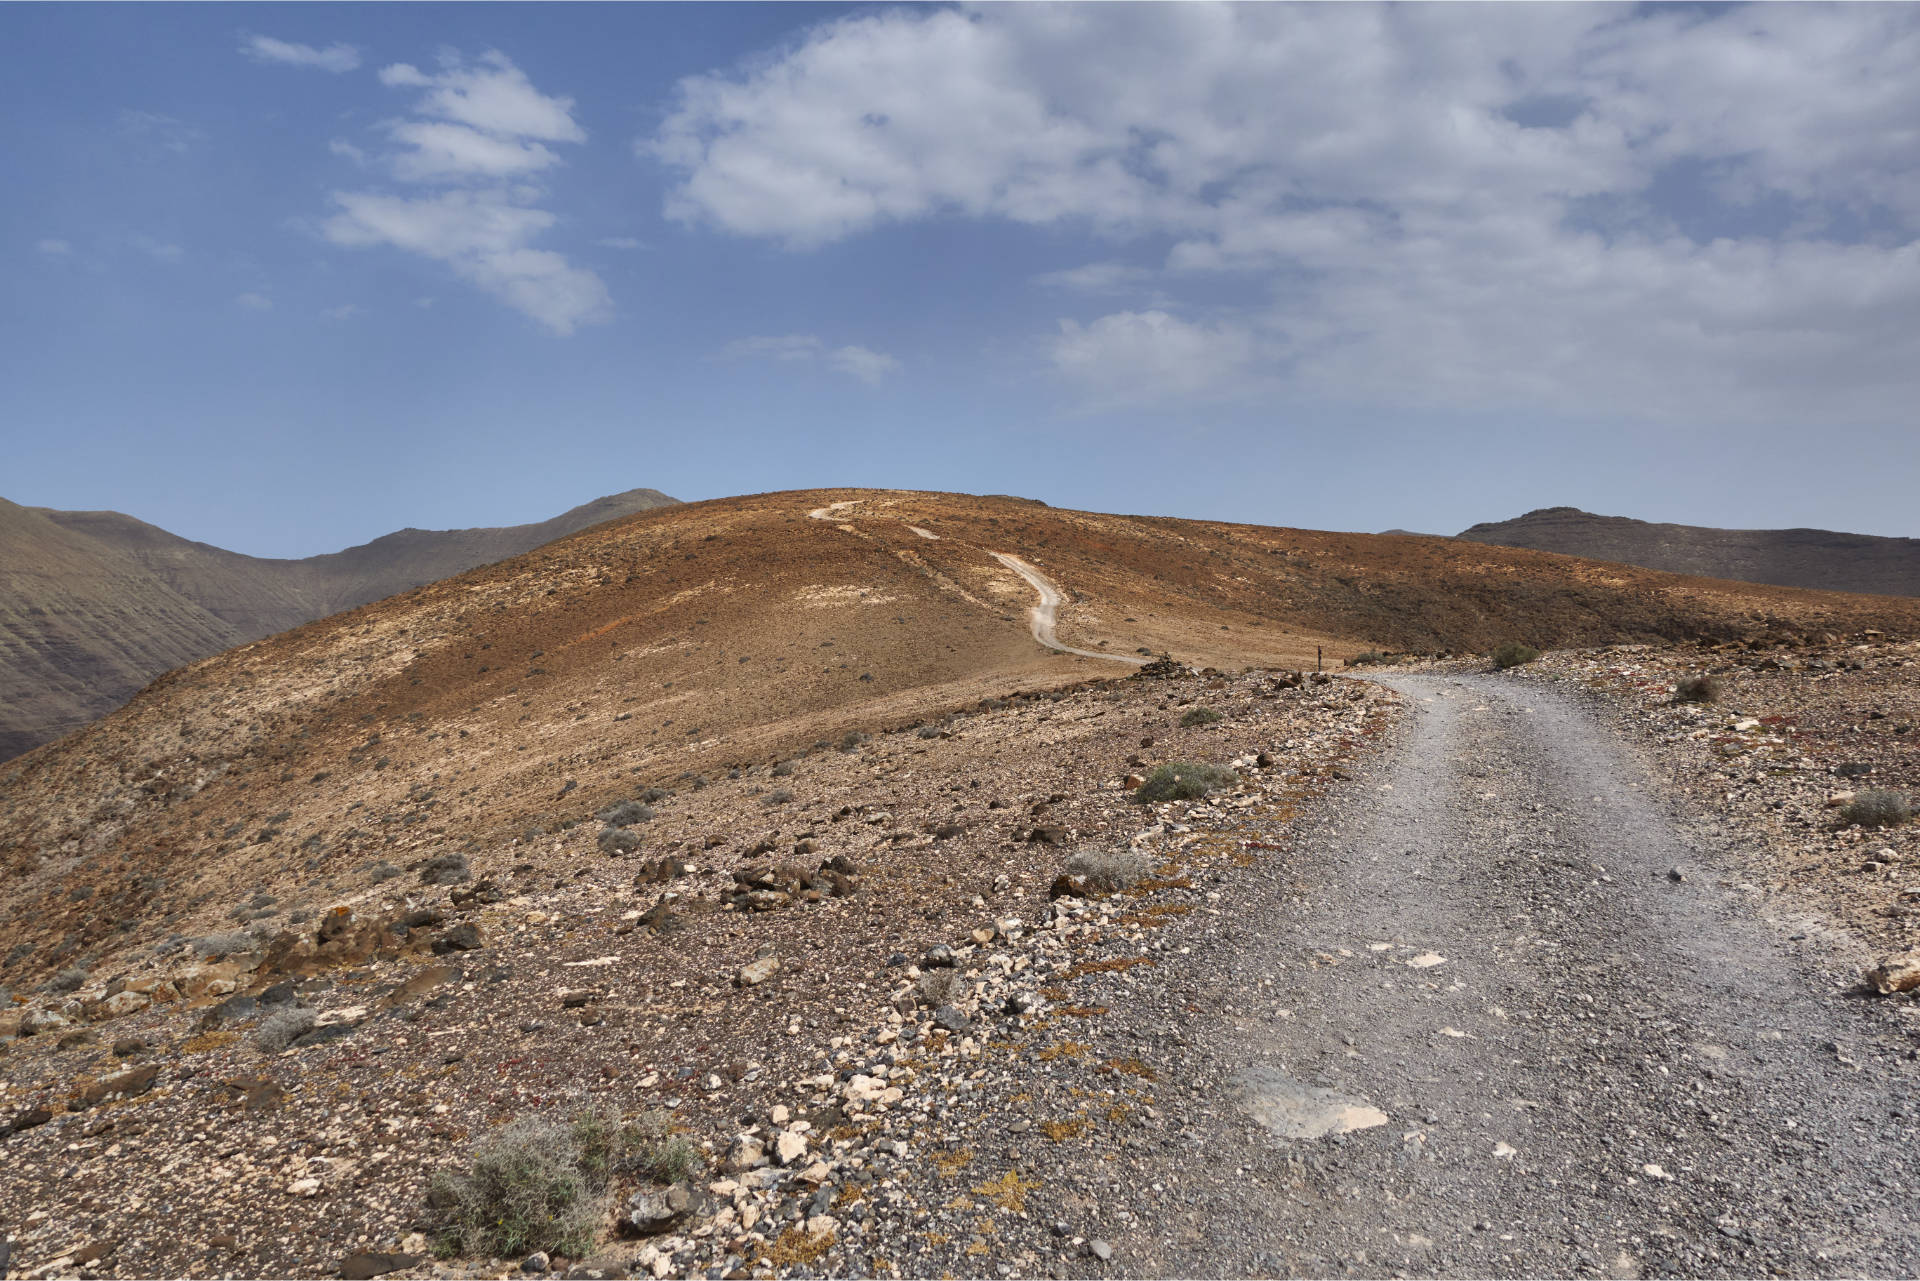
[(1293, 1110)]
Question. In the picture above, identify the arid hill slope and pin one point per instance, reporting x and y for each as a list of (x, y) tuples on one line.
[(1815, 558), (93, 605), (688, 639)]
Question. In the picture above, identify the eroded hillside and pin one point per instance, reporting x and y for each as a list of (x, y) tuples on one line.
[(684, 641)]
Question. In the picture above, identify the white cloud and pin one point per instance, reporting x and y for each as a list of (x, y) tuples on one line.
[(1665, 212), (441, 151), (341, 147), (254, 302), (336, 58), (492, 95), (345, 311), (485, 236), (478, 135), (869, 366), (158, 250), (53, 248), (1133, 357), (620, 242)]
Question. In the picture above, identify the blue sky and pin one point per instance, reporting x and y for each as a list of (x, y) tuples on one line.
[(284, 278)]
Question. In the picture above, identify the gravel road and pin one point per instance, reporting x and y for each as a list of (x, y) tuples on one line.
[(1558, 1035)]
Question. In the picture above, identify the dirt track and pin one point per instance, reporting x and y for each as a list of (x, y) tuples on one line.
[(1585, 1066)]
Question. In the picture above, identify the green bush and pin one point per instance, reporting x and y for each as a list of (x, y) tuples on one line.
[(1199, 716), (533, 1184), (1183, 781), (1513, 654), (1697, 689), (1878, 808)]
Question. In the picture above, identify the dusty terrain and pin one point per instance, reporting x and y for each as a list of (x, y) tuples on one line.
[(95, 604), (853, 748), (1821, 558)]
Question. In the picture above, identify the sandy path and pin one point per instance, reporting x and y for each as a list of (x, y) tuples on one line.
[(1044, 613)]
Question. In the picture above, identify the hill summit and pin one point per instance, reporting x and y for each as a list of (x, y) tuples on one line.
[(1815, 558)]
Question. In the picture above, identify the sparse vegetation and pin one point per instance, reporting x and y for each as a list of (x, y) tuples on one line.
[(282, 1028), (214, 946), (625, 814), (1514, 654), (929, 731), (1199, 716), (533, 1184), (1878, 807), (67, 980), (1108, 870), (654, 795), (1697, 689), (853, 740), (783, 769), (1183, 781), (779, 796), (445, 869), (618, 840), (382, 871), (1369, 659)]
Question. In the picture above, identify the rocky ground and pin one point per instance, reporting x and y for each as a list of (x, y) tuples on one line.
[(1536, 973), (757, 965)]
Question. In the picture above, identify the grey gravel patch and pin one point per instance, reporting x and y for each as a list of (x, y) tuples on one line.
[(1294, 1110)]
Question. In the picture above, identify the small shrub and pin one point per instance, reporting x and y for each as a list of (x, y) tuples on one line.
[(445, 869), (80, 893), (67, 980), (1878, 807), (618, 840), (853, 740), (1368, 659), (779, 796), (936, 987), (1109, 870), (654, 795), (1697, 689), (1513, 654), (1199, 716), (533, 1184), (669, 1160), (218, 945), (625, 814), (929, 731), (783, 769), (282, 1027), (382, 872), (1183, 781)]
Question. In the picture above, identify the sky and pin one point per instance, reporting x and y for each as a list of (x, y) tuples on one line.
[(285, 278)]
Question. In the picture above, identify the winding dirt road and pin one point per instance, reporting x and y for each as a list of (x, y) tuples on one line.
[(1043, 615)]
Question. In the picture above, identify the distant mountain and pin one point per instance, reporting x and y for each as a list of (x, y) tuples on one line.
[(1816, 558), (93, 605)]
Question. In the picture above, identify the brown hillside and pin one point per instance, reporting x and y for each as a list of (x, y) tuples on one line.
[(95, 604), (683, 640), (1820, 558)]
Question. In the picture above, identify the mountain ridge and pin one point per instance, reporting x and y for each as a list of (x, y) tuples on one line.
[(1819, 559), (94, 604)]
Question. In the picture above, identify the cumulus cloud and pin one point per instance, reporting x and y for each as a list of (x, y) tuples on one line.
[(336, 58), (477, 137), (869, 366), (1665, 211)]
